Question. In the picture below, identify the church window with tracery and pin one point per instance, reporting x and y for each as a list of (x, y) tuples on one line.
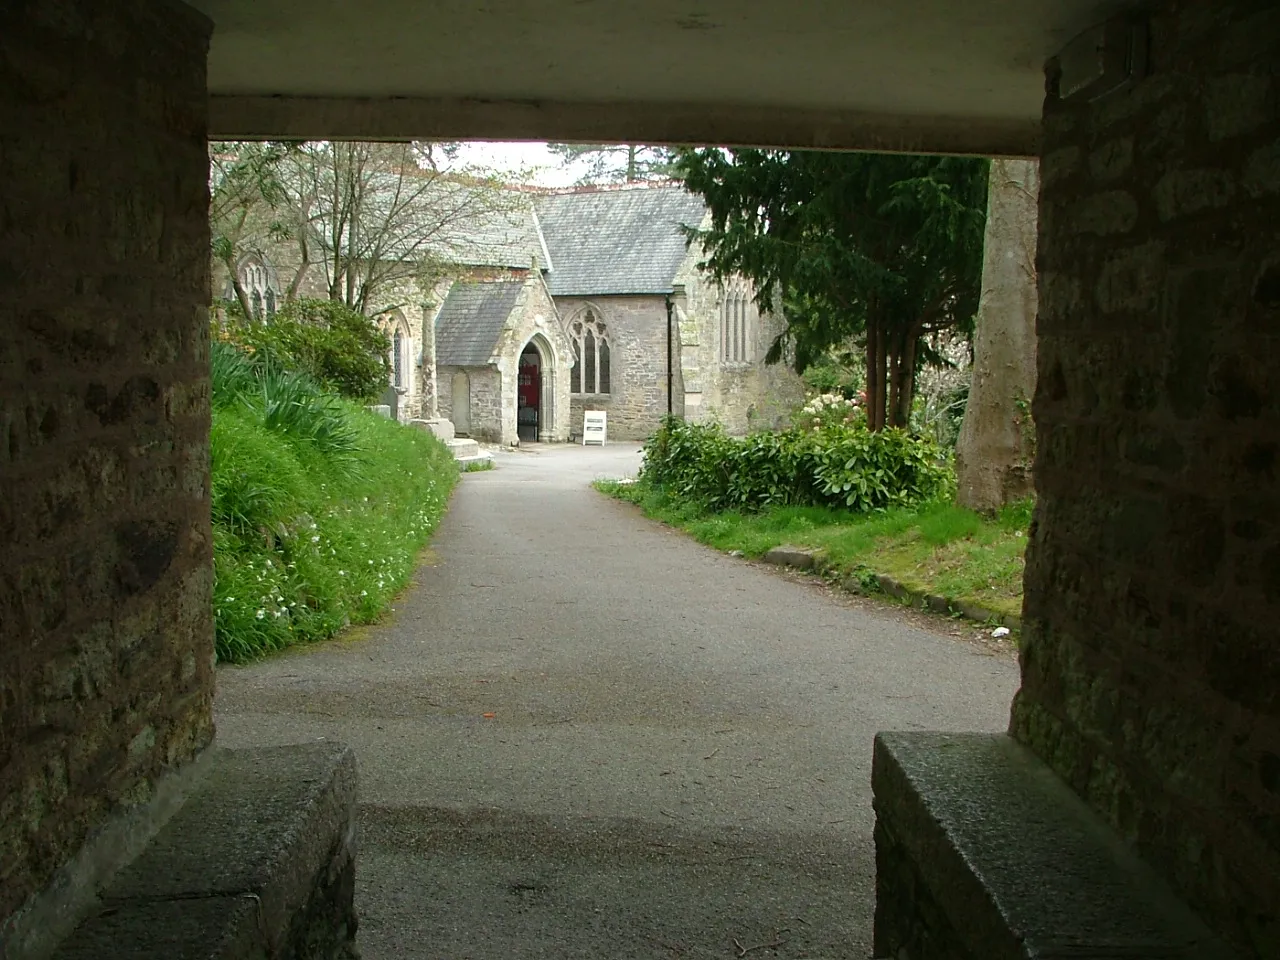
[(259, 285), (737, 330), (592, 360)]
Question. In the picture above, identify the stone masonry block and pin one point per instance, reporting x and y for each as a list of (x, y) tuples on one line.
[(801, 558), (258, 862), (103, 396), (1148, 653), (983, 854)]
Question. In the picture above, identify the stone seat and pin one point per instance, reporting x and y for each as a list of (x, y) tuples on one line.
[(982, 853), (257, 862)]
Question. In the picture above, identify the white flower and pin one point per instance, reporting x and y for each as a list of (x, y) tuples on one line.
[(261, 613), (315, 539), (364, 593), (342, 573), (229, 599)]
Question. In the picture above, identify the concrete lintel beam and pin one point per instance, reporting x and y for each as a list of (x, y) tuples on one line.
[(247, 117)]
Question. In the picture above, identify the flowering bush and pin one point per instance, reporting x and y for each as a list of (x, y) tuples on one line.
[(831, 410)]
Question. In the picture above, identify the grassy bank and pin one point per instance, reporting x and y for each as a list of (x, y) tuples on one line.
[(320, 509), (935, 548)]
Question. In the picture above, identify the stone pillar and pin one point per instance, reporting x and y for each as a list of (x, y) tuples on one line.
[(430, 382), (106, 622), (1150, 652)]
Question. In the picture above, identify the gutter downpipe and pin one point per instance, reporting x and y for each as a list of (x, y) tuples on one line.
[(670, 374)]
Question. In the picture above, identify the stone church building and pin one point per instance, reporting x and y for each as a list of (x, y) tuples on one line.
[(568, 301)]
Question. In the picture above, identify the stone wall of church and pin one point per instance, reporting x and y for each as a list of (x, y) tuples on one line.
[(742, 395), (106, 622), (1150, 653), (484, 390), (637, 330)]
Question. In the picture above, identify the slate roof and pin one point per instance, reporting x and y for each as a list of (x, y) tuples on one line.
[(451, 221), (471, 320), (616, 241)]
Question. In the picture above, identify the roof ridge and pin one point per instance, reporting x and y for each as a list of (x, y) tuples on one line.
[(594, 188)]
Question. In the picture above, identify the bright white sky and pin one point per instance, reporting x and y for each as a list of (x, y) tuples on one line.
[(529, 163)]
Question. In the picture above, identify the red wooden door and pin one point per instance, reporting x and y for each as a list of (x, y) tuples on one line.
[(529, 396)]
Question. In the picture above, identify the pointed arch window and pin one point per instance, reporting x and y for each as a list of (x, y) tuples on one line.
[(591, 355), (397, 360), (260, 287), (737, 328)]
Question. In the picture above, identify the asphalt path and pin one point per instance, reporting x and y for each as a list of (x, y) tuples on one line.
[(583, 735)]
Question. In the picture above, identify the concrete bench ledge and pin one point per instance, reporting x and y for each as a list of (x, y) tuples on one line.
[(983, 854), (258, 862)]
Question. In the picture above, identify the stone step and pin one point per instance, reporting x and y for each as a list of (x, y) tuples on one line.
[(462, 448)]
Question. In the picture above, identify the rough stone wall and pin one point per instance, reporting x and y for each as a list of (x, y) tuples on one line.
[(444, 402), (486, 400), (106, 631), (408, 299), (743, 395), (1150, 661), (637, 331)]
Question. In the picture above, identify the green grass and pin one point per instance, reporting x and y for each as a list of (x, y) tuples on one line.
[(313, 533), (937, 548)]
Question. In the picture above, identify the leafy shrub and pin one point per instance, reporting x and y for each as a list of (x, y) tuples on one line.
[(863, 471), (231, 373), (294, 406), (257, 481), (340, 348), (840, 464), (690, 460), (839, 372), (288, 403)]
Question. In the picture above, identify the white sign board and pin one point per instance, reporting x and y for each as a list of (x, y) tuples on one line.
[(593, 427)]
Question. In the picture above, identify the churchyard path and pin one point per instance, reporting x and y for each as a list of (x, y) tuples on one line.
[(583, 735)]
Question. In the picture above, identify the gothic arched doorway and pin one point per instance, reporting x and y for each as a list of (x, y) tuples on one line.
[(530, 419)]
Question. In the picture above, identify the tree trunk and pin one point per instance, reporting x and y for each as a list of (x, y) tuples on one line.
[(895, 361), (997, 439), (882, 369), (875, 374), (904, 392), (238, 289)]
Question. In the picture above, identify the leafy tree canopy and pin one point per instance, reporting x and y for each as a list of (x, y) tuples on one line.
[(876, 249), (616, 163), (358, 216)]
